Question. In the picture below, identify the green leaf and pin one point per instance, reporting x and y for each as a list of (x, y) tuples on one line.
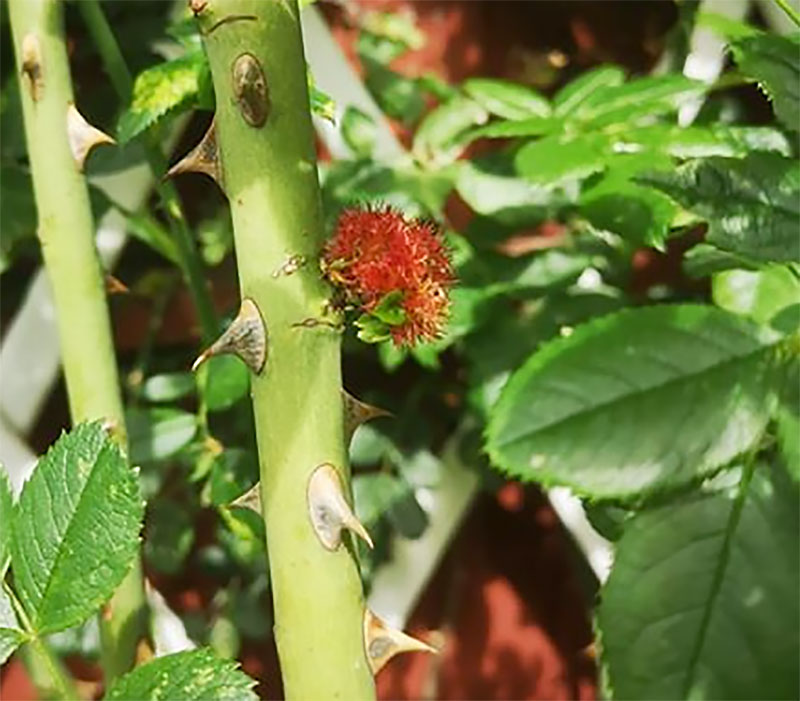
[(194, 675), (533, 126), (374, 494), (558, 159), (787, 417), (398, 96), (761, 294), (322, 104), (75, 529), (228, 382), (18, 213), (702, 600), (644, 97), (155, 434), (774, 61), (169, 534), (395, 26), (152, 233), (578, 91), (163, 89), (168, 386), (11, 636), (233, 473), (637, 402), (505, 99), (439, 138), (372, 330), (752, 204), (725, 26), (358, 131), (704, 259), (6, 514), (389, 309)]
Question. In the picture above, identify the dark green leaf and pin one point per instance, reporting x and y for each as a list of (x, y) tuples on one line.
[(398, 96), (390, 309), (439, 138), (761, 294), (702, 600), (774, 61), (163, 89), (704, 259), (787, 417), (228, 382), (609, 521), (637, 402), (169, 536), (578, 91), (407, 516), (155, 434), (233, 473), (168, 386), (505, 99), (358, 131), (75, 529), (18, 213), (194, 675), (11, 636), (374, 494), (752, 204)]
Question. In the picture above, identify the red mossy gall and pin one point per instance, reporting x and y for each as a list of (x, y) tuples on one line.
[(377, 252)]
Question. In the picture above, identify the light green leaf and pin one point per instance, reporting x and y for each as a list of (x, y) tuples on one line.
[(194, 675), (75, 529), (752, 204), (578, 91), (6, 514), (505, 99), (322, 104), (11, 636), (163, 89), (774, 61), (168, 386), (439, 138), (787, 416), (228, 382), (557, 159), (533, 126), (761, 294), (643, 97), (390, 309), (358, 131), (155, 434), (637, 402), (725, 26), (702, 600)]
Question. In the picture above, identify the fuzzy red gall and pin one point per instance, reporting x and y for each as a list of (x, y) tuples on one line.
[(377, 252)]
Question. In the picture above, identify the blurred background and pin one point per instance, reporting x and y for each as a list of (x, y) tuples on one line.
[(501, 576)]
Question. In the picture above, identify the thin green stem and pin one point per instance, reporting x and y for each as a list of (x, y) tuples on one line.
[(66, 231), (789, 10), (189, 259), (44, 660)]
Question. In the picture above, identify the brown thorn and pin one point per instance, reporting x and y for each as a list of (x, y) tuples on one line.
[(203, 158), (251, 499), (246, 337), (115, 286), (382, 642), (357, 412), (329, 510), (82, 136)]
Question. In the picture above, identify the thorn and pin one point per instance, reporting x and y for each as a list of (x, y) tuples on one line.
[(245, 337), (115, 286), (197, 6), (383, 642), (251, 499), (357, 412), (83, 137), (329, 510), (203, 158)]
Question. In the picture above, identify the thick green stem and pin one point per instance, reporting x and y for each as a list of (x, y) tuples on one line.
[(268, 161), (121, 79), (66, 233)]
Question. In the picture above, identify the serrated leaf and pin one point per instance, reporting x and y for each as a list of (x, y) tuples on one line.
[(75, 529), (168, 386), (194, 675), (505, 99), (578, 91), (641, 401), (439, 137), (155, 434), (760, 295), (774, 61), (752, 204), (161, 90), (6, 514), (644, 97), (11, 636), (702, 600)]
